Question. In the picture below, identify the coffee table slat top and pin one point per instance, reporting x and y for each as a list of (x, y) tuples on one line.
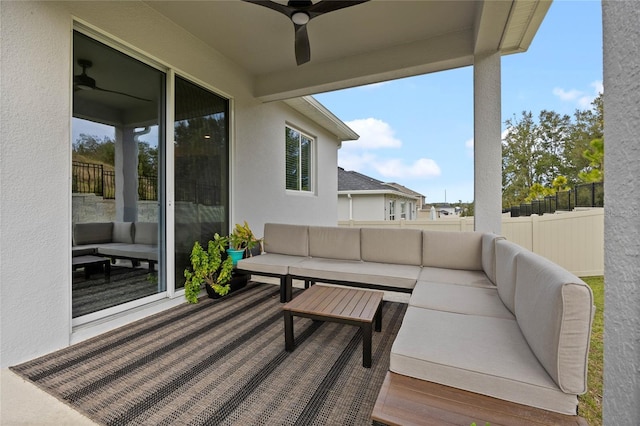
[(342, 303)]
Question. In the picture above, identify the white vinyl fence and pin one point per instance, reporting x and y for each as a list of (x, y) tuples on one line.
[(573, 240)]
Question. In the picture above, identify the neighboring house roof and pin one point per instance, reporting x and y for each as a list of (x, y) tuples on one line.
[(404, 189), (351, 182), (314, 110)]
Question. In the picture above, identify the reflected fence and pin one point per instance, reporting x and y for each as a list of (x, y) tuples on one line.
[(583, 195), (91, 178)]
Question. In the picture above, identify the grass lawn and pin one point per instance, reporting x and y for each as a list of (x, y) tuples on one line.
[(590, 404)]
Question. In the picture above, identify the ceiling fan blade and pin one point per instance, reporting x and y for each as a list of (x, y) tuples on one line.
[(303, 50), (123, 94), (331, 5), (285, 10)]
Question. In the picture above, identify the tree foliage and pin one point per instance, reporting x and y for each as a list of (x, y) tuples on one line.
[(552, 153), (102, 150)]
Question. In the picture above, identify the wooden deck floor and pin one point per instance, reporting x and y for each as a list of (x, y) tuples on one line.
[(411, 402)]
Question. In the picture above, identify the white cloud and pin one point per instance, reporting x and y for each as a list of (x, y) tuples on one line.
[(397, 168), (469, 147), (374, 134), (567, 96), (598, 86), (581, 98)]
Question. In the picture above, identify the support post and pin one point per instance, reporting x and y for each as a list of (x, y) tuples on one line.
[(487, 143)]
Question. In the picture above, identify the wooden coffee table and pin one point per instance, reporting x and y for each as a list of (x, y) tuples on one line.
[(91, 260), (337, 304)]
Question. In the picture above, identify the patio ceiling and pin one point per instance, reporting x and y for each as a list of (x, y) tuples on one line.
[(367, 43)]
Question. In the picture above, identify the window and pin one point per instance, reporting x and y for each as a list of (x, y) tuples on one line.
[(403, 210), (298, 160), (392, 209)]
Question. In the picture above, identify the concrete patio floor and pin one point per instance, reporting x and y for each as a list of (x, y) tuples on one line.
[(22, 403)]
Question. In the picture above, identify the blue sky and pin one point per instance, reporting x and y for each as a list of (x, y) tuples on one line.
[(418, 131)]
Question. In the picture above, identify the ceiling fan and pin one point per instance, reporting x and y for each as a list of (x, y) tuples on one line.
[(301, 12), (84, 82)]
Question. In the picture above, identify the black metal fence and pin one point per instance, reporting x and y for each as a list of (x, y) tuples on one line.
[(90, 178), (584, 195)]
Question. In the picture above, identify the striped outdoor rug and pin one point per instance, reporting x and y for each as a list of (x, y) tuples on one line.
[(221, 362)]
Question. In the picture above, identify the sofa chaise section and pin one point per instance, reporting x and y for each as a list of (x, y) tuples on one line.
[(134, 241), (532, 350)]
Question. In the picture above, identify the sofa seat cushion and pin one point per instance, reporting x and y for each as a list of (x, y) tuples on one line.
[(479, 354), (382, 274), (269, 263), (455, 276), (459, 299), (130, 251)]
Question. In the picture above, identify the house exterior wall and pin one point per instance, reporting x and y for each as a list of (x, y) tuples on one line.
[(622, 202), (365, 207), (259, 176), (374, 207), (36, 84)]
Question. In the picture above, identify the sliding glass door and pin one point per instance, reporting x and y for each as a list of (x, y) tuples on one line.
[(117, 187), (201, 169), (122, 170)]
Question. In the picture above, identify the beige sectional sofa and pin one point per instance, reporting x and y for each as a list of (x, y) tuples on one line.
[(485, 315), (118, 240)]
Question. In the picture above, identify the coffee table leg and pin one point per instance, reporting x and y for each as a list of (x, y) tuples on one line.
[(378, 317), (288, 331), (367, 331), (107, 270)]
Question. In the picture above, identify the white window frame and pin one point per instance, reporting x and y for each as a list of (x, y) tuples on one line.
[(392, 209), (312, 160)]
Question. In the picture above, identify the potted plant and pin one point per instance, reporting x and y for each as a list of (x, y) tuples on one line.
[(209, 268), (241, 242)]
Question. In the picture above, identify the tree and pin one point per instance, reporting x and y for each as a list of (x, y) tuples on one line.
[(553, 131), (595, 155), (589, 125), (519, 158), (92, 147), (536, 154)]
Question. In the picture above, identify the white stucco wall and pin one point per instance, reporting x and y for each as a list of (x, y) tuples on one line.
[(259, 194), (36, 79), (365, 207), (621, 30)]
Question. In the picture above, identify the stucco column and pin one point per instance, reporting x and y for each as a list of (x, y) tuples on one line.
[(126, 171), (487, 143), (621, 220)]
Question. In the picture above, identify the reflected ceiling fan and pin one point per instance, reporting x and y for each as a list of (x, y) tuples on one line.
[(84, 82), (301, 12)]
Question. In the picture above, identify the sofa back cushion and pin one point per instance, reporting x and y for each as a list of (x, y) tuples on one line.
[(333, 242), (489, 254), (399, 246), (452, 250), (146, 233), (506, 253), (291, 240), (554, 310), (92, 233), (122, 232)]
